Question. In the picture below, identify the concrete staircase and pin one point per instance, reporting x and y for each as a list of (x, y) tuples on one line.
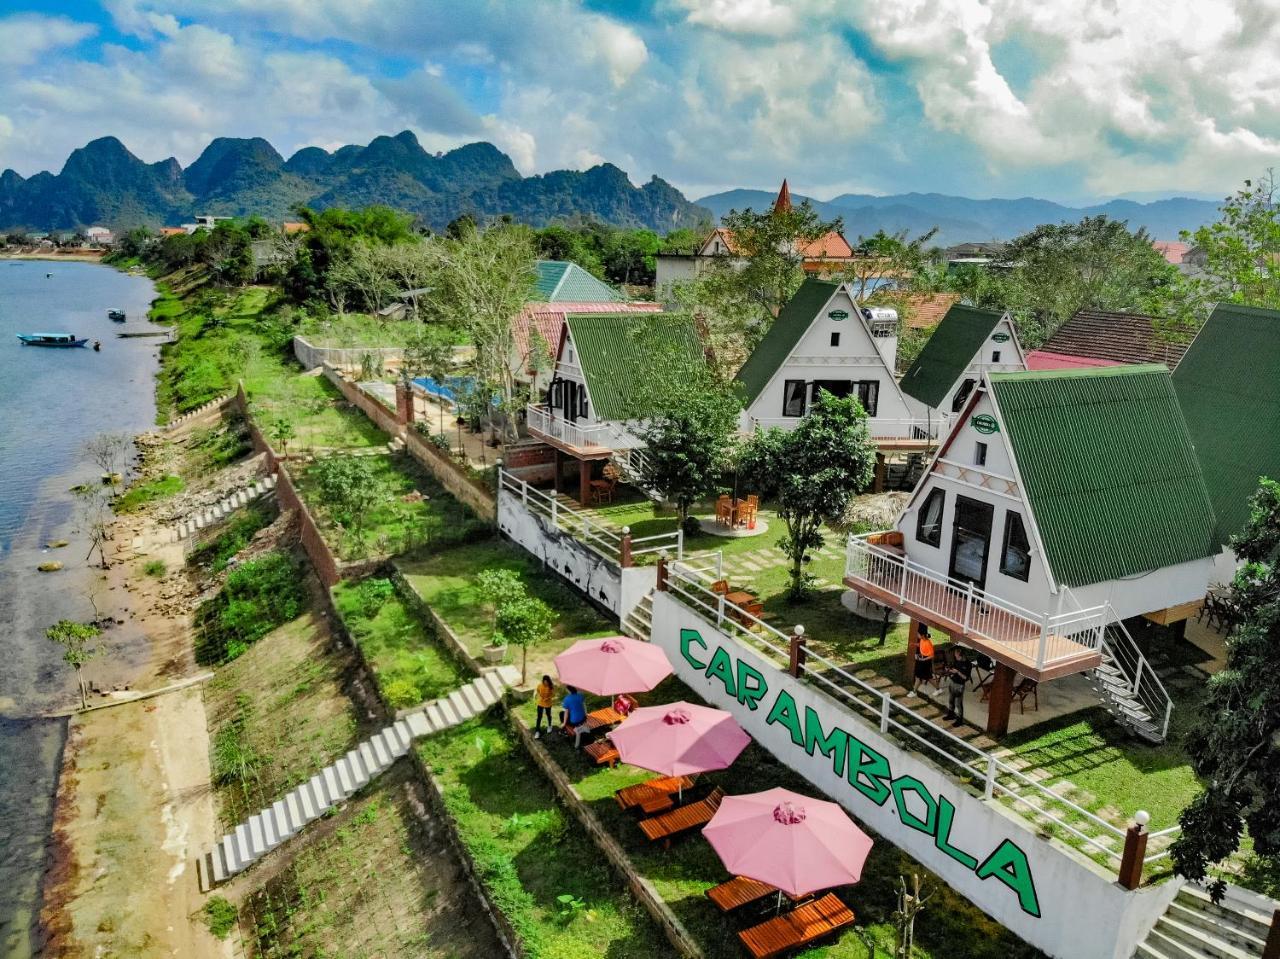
[(219, 511), (1194, 927), (1129, 686), (199, 411), (260, 833), (638, 624)]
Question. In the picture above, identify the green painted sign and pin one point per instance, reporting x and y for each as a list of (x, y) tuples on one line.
[(838, 315), (866, 770), (1000, 337), (985, 424)]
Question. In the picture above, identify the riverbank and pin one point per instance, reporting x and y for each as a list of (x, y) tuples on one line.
[(80, 256)]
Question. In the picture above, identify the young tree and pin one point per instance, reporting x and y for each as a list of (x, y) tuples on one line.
[(1235, 746), (525, 622), (480, 281), (1241, 249), (282, 431), (428, 352), (812, 473), (884, 259), (93, 515), (350, 487), (109, 452), (78, 647), (498, 587)]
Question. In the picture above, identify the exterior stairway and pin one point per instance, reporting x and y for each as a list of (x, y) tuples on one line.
[(261, 833), (638, 624), (1194, 928), (220, 510), (1129, 687)]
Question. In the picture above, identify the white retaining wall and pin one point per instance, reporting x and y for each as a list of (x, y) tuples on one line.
[(1046, 894), (311, 356)]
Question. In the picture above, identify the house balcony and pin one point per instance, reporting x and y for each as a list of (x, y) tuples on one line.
[(909, 434), (583, 441), (1040, 646)]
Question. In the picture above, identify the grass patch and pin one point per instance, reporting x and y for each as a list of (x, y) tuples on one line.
[(446, 581), (235, 536), (140, 494), (528, 852), (219, 916), (408, 665), (314, 409), (155, 567), (257, 597), (220, 446), (416, 513)]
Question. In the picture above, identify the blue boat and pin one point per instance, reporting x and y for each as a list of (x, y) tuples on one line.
[(51, 339), (116, 315)]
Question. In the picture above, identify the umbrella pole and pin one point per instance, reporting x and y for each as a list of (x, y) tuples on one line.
[(778, 908)]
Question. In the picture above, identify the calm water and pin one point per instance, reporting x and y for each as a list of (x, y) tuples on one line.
[(51, 401)]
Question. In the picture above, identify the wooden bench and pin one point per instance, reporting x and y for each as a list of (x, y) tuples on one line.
[(677, 821), (603, 752), (799, 928), (738, 892), (629, 797)]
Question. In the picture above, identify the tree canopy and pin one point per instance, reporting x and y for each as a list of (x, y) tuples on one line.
[(1242, 248)]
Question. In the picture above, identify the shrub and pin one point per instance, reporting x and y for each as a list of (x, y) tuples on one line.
[(257, 597), (371, 594), (220, 916), (234, 537), (155, 567), (401, 692)]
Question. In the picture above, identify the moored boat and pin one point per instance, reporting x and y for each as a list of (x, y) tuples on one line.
[(116, 315), (51, 339)]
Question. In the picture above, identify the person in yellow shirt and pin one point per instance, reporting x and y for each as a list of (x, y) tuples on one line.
[(924, 661), (545, 696)]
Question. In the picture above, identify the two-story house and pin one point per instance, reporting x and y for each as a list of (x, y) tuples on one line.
[(596, 395), (967, 343), (1059, 504)]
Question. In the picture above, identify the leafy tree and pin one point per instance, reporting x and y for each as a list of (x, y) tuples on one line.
[(78, 648), (428, 352), (498, 587), (812, 473), (350, 487), (525, 622), (884, 259), (329, 241), (559, 242), (1236, 744), (282, 431), (685, 240), (1240, 251)]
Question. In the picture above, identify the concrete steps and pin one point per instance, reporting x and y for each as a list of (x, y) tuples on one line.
[(1194, 927), (220, 510), (198, 412), (638, 624), (334, 784)]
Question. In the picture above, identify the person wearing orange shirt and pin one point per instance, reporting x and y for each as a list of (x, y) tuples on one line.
[(924, 660)]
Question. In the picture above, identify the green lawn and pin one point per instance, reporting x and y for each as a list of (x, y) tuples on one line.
[(140, 494), (361, 329), (403, 521), (446, 581), (314, 408), (949, 927), (409, 666), (529, 853)]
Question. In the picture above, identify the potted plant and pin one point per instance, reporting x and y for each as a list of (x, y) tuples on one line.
[(495, 651), (498, 587)]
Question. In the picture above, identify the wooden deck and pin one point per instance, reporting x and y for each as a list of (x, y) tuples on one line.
[(576, 452)]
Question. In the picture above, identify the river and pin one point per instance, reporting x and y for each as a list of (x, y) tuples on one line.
[(51, 402)]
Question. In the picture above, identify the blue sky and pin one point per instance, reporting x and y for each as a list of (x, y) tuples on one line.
[(1072, 100)]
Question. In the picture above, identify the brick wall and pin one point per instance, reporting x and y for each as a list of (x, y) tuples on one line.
[(322, 559)]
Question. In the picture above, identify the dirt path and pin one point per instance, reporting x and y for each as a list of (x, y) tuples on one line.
[(134, 807)]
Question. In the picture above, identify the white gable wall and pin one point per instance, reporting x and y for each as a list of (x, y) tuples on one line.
[(856, 357), (994, 356)]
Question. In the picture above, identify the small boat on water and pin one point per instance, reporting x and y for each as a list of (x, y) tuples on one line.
[(51, 339), (116, 315)]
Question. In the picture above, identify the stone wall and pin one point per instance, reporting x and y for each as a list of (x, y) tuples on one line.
[(311, 356)]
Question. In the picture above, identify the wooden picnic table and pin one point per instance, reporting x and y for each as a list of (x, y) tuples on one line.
[(739, 597), (738, 892), (600, 718), (629, 797)]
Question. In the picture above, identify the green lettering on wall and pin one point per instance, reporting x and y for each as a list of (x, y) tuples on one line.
[(868, 771), (942, 838), (834, 744), (689, 638), (1009, 864), (784, 711), (751, 685), (721, 668), (909, 784)]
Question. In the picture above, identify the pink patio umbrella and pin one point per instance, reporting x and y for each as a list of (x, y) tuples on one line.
[(790, 841), (679, 739), (613, 665)]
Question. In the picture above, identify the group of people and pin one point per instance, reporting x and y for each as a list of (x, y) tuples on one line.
[(954, 673), (573, 709)]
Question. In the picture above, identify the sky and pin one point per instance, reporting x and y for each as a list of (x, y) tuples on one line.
[(1070, 100)]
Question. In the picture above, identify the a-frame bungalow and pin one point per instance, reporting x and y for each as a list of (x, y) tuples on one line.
[(1059, 504), (602, 364), (967, 343)]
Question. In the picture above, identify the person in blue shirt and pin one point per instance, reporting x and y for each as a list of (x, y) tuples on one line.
[(574, 713)]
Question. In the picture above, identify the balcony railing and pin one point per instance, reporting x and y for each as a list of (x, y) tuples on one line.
[(1035, 640), (882, 428), (601, 437)]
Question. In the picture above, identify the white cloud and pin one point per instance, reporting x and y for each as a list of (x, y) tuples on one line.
[(762, 17), (28, 36)]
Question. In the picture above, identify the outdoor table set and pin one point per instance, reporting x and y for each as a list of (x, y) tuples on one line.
[(774, 843)]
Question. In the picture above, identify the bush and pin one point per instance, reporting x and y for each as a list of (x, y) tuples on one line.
[(234, 537), (220, 916), (257, 597), (371, 594), (155, 567)]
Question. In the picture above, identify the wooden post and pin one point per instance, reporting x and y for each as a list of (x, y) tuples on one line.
[(661, 586), (1000, 701), (1272, 949), (881, 474), (624, 549), (584, 482), (913, 643), (1135, 851), (559, 461), (797, 652)]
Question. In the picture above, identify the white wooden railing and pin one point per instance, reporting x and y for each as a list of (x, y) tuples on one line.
[(603, 436), (1041, 638), (914, 427), (969, 765)]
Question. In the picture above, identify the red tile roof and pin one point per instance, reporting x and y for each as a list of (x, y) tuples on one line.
[(1172, 250), (1045, 360), (920, 311), (1119, 337), (548, 320)]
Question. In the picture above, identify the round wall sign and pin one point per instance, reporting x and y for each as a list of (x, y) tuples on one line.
[(1000, 337), (985, 423), (838, 315)]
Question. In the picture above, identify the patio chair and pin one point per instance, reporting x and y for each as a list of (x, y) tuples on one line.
[(602, 489), (724, 511), (755, 609), (603, 752), (738, 892), (1025, 688), (801, 927), (663, 828), (634, 797)]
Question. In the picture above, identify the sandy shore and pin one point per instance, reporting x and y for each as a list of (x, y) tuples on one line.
[(77, 257)]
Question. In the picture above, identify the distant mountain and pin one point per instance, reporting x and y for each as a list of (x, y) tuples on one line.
[(960, 219), (103, 183)]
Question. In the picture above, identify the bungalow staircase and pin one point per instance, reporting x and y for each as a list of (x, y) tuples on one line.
[(634, 465), (638, 624), (1194, 927), (1128, 685), (260, 833)]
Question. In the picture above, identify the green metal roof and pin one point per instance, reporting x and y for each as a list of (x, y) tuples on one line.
[(1228, 385), (559, 281), (793, 321), (948, 353), (1108, 469), (617, 351)]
